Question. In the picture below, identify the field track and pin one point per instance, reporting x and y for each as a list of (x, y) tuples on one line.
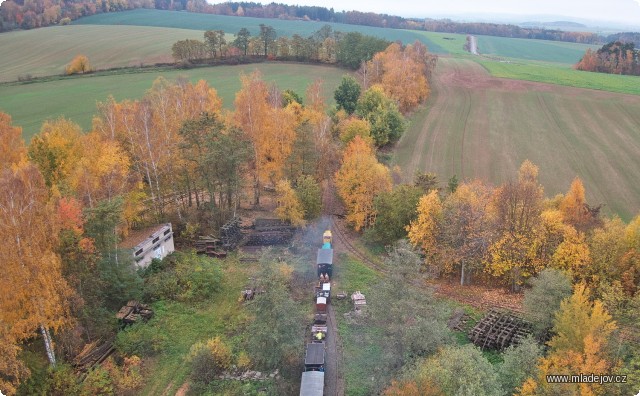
[(478, 126)]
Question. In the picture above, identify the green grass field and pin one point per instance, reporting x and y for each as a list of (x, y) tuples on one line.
[(561, 75), (75, 98), (46, 51), (535, 50), (231, 24), (476, 126)]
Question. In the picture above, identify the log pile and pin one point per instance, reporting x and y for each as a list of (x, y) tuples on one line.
[(264, 225), (134, 312), (231, 234), (268, 238), (499, 329), (92, 354)]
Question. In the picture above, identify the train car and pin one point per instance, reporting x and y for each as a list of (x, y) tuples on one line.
[(314, 356), (312, 383), (324, 262)]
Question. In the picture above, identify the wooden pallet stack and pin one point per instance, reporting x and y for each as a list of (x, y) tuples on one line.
[(231, 234), (499, 329), (210, 246)]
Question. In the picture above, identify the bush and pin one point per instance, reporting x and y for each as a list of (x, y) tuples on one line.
[(97, 383), (62, 381), (65, 21), (209, 359)]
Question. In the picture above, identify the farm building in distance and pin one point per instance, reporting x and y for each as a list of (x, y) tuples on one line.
[(149, 243)]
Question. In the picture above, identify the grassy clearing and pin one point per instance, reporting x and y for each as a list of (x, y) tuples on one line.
[(75, 98), (561, 75), (231, 24), (182, 325), (479, 127), (361, 350), (46, 51)]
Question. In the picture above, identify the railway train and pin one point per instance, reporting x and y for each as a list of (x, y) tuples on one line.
[(312, 381)]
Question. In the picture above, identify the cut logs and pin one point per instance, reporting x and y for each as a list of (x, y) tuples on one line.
[(134, 312)]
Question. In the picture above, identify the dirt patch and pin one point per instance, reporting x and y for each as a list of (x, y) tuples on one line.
[(183, 389)]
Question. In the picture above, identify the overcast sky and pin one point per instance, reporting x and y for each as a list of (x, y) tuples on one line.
[(627, 11)]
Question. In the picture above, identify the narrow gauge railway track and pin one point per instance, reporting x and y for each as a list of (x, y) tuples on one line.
[(344, 240)]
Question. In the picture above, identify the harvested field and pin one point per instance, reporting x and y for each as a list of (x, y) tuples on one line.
[(478, 126)]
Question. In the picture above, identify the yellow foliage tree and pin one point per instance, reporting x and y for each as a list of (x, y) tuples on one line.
[(582, 331), (516, 208), (79, 64), (352, 127), (33, 293), (577, 318), (360, 178), (289, 207), (573, 205), (12, 148), (573, 252), (424, 231), (57, 150)]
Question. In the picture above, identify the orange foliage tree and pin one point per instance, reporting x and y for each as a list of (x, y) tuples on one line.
[(360, 178), (402, 72), (79, 65), (12, 149), (33, 293)]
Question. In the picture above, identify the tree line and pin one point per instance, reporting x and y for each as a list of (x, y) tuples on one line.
[(28, 15), (615, 58), (325, 45)]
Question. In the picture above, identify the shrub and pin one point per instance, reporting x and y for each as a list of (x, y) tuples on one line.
[(97, 383), (209, 359)]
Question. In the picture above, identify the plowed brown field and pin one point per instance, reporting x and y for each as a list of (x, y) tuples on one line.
[(478, 126)]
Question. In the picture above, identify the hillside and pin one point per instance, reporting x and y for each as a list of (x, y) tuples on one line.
[(477, 126), (46, 51)]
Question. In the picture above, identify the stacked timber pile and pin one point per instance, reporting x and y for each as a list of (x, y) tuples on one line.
[(270, 232), (231, 234), (133, 312), (499, 329), (210, 246), (92, 354)]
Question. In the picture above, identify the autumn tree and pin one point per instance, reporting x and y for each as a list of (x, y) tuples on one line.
[(425, 230), (12, 148), (33, 292), (573, 253), (402, 73), (466, 229), (79, 65), (360, 178), (352, 127), (289, 207), (516, 208), (270, 128), (581, 345), (57, 150)]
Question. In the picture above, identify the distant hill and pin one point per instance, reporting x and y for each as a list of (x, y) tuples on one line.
[(555, 24)]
